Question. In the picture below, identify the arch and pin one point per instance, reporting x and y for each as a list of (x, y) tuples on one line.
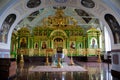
[(59, 43), (114, 26), (9, 20), (58, 30), (57, 36)]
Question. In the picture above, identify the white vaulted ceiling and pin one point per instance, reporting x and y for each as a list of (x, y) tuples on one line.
[(36, 19)]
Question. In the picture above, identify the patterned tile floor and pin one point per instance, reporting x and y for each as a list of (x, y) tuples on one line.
[(96, 71)]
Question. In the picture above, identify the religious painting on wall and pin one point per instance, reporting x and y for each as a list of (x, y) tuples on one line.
[(83, 13), (114, 26), (6, 26), (33, 15), (33, 3), (93, 43), (88, 3), (58, 42), (72, 45), (23, 42), (80, 45), (44, 45), (36, 46)]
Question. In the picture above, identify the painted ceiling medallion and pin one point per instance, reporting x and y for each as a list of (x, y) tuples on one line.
[(88, 3), (61, 1), (33, 3), (83, 13)]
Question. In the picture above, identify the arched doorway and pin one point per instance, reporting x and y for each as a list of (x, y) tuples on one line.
[(58, 42), (58, 39)]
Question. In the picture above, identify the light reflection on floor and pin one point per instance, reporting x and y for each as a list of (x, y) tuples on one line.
[(96, 71)]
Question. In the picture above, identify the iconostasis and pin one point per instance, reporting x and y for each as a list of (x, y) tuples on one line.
[(58, 30)]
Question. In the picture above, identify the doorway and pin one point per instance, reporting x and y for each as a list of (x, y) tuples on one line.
[(58, 42)]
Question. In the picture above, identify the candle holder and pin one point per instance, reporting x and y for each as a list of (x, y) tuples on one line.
[(47, 59), (59, 63), (71, 58), (99, 57), (21, 60), (60, 56)]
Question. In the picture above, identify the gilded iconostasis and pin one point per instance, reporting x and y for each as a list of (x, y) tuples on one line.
[(68, 26), (58, 30)]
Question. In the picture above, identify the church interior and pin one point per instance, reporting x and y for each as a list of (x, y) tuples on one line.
[(59, 40)]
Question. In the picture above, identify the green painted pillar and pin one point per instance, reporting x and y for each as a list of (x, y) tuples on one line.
[(40, 44), (28, 42), (66, 42), (33, 43)]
